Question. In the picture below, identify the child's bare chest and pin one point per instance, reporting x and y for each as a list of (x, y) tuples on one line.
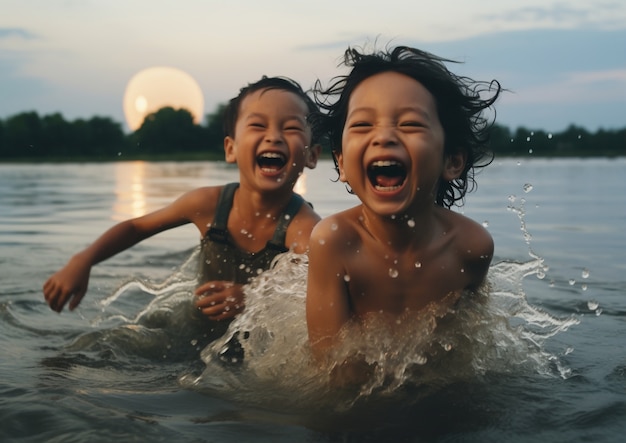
[(382, 283)]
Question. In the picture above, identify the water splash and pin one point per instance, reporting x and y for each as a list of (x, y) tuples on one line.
[(493, 331)]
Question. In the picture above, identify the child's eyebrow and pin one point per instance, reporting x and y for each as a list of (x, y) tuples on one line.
[(416, 109), (300, 118)]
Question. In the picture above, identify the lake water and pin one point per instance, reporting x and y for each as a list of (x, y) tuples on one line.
[(547, 360)]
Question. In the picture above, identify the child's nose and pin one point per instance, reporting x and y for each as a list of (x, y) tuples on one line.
[(385, 135), (273, 135)]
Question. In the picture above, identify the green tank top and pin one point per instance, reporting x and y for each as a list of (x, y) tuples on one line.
[(221, 259)]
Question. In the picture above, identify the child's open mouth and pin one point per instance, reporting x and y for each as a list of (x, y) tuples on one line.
[(271, 161), (386, 175)]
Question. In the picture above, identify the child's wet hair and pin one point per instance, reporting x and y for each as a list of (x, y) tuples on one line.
[(458, 99), (231, 112)]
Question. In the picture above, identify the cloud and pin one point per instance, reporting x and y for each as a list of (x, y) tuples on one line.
[(607, 16), (24, 34)]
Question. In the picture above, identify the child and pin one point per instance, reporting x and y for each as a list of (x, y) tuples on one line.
[(406, 135), (270, 137)]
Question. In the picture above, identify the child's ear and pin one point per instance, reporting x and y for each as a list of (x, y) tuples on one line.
[(342, 174), (312, 155), (454, 165), (229, 150)]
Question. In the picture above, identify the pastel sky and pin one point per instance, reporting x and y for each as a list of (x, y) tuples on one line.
[(564, 62)]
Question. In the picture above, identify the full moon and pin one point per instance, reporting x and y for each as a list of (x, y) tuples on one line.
[(155, 88)]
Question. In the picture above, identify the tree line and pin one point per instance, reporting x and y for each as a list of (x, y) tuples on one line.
[(171, 133)]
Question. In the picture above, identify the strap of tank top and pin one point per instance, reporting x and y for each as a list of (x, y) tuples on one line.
[(218, 231), (278, 240)]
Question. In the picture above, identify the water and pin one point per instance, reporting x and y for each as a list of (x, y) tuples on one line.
[(538, 357)]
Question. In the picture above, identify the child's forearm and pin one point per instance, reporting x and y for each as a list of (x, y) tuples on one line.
[(115, 240)]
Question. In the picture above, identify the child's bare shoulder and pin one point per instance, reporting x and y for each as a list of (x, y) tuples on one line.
[(337, 230), (473, 242), (199, 201), (470, 232)]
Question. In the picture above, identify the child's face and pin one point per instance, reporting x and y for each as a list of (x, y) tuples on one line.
[(392, 144), (270, 145)]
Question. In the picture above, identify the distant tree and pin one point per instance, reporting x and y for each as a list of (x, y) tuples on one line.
[(56, 135), (105, 137), (168, 130), (500, 140), (22, 135), (215, 130)]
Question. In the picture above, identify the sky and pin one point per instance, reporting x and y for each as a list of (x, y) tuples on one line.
[(562, 62)]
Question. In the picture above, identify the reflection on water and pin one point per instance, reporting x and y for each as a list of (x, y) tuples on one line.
[(130, 192)]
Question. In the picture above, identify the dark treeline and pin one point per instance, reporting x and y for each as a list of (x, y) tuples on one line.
[(172, 134)]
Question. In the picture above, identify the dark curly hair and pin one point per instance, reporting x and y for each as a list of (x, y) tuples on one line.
[(458, 99), (231, 112)]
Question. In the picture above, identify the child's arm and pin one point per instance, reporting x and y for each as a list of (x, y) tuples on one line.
[(327, 303), (478, 249), (70, 283)]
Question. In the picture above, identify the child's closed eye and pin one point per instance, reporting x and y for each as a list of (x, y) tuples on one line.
[(412, 123), (360, 124)]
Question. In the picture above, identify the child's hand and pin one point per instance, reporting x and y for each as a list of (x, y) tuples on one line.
[(220, 300), (68, 284)]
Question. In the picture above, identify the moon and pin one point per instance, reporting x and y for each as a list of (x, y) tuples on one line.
[(154, 88)]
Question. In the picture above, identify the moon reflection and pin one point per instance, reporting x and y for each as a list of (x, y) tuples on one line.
[(130, 192)]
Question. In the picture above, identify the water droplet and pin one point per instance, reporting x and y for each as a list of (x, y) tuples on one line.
[(346, 278), (393, 217), (333, 227), (528, 187), (572, 282), (287, 216), (421, 360), (593, 305), (598, 312), (418, 264), (322, 241), (485, 224), (393, 273), (411, 223), (194, 342), (241, 266), (527, 139), (462, 270), (583, 286), (512, 198), (585, 273), (530, 151), (550, 136), (447, 347), (243, 231)]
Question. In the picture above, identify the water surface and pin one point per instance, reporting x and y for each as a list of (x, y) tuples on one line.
[(548, 362)]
